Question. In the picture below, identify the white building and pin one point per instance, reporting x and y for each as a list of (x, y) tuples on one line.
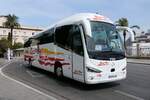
[(19, 34)]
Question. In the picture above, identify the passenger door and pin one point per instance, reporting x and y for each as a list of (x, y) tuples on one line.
[(78, 54), (63, 41), (68, 40)]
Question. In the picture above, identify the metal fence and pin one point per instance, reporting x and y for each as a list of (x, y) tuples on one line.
[(138, 51)]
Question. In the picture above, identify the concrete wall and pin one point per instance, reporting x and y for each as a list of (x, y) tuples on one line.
[(19, 35)]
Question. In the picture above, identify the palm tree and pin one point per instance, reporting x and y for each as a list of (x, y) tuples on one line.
[(4, 45), (11, 22), (122, 22)]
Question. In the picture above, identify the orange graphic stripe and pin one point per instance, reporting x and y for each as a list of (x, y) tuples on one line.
[(46, 51)]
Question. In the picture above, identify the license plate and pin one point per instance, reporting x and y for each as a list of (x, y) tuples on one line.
[(112, 76)]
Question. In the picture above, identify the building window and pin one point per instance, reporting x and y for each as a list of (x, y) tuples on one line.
[(4, 31), (33, 33)]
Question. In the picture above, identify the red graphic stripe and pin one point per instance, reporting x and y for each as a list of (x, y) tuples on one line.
[(43, 62), (56, 59), (65, 63), (46, 63), (43, 57), (28, 56)]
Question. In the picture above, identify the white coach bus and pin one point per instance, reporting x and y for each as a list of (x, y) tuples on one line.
[(85, 47)]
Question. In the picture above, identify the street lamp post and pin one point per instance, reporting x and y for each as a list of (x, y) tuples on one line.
[(124, 35)]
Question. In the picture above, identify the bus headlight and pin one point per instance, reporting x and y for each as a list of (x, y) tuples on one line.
[(124, 69), (94, 70)]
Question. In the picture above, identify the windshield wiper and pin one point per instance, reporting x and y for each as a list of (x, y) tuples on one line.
[(112, 52)]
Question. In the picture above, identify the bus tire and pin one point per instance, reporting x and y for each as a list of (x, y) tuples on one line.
[(59, 72)]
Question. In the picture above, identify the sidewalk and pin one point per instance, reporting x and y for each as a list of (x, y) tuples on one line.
[(3, 61), (11, 90), (139, 61)]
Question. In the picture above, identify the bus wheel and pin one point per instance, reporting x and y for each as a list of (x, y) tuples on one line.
[(59, 72)]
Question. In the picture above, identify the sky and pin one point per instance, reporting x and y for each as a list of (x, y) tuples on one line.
[(43, 13)]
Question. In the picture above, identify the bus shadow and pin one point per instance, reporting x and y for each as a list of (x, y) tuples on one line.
[(67, 82)]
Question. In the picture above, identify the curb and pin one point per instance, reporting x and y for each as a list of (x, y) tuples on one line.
[(23, 84), (138, 57), (139, 63)]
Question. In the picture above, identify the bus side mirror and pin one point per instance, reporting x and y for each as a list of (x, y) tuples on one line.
[(116, 36)]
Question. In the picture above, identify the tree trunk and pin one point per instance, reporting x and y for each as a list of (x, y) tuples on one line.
[(8, 38), (11, 36)]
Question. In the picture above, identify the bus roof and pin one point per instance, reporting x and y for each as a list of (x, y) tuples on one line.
[(83, 16), (78, 17)]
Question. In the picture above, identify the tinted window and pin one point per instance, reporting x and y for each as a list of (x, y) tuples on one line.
[(77, 40), (46, 37), (27, 43), (69, 37), (34, 42), (63, 36)]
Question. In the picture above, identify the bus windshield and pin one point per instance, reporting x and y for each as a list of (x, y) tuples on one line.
[(104, 42)]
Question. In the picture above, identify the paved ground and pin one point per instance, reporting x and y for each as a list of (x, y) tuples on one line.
[(11, 90), (135, 87)]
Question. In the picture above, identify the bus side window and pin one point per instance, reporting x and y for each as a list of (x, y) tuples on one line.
[(34, 42), (62, 36), (27, 43), (77, 40), (46, 37), (69, 37)]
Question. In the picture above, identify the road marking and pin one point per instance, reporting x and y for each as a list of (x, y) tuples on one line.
[(34, 74), (27, 86), (128, 95)]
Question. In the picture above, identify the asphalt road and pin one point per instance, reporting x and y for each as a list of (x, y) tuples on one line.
[(135, 87)]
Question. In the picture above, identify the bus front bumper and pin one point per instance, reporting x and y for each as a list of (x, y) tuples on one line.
[(95, 79)]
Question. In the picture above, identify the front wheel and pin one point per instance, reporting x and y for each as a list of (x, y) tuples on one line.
[(59, 72)]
